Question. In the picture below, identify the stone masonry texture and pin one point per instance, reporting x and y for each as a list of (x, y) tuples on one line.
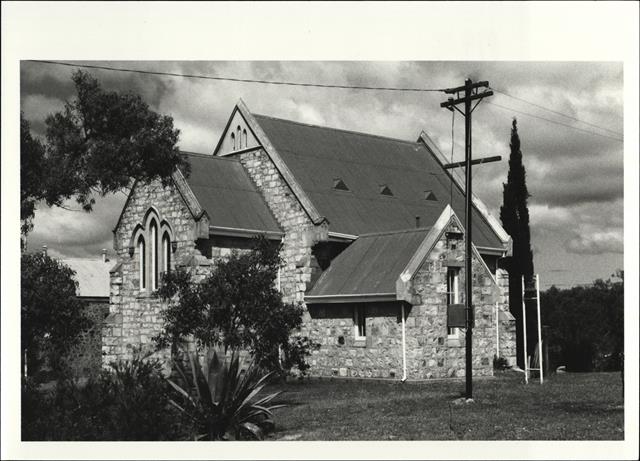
[(135, 317)]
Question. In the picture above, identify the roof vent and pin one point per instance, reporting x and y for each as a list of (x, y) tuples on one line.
[(429, 195), (384, 190), (338, 184)]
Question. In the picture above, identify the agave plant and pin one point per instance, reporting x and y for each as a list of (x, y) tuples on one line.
[(222, 401)]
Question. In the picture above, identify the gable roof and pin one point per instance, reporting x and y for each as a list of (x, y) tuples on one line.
[(380, 267), (92, 276), (224, 190), (317, 156), (368, 268)]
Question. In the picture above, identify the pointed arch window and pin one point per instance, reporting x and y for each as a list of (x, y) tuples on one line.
[(153, 256), (166, 253), (233, 140), (239, 136), (244, 138), (142, 269)]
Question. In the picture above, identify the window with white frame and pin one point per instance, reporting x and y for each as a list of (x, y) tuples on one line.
[(453, 294), (360, 322)]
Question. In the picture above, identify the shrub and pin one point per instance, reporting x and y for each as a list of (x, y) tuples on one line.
[(51, 317), (237, 306), (221, 400), (500, 363), (128, 402), (586, 326)]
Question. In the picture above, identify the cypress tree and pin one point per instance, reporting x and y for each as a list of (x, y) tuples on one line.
[(514, 214)]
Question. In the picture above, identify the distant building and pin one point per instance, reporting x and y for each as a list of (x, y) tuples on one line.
[(93, 280), (372, 246)]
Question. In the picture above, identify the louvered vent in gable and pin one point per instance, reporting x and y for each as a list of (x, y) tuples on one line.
[(339, 184), (429, 195), (385, 190)]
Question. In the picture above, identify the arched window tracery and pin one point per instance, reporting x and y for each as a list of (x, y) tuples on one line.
[(152, 242)]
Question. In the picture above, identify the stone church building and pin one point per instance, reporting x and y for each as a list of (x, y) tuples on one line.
[(372, 246)]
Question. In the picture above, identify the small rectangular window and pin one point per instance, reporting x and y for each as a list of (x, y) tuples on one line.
[(453, 294), (360, 322)]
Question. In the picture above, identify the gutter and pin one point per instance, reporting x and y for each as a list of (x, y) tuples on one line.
[(239, 232), (350, 298), (337, 236)]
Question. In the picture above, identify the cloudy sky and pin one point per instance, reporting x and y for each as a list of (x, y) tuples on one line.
[(574, 176)]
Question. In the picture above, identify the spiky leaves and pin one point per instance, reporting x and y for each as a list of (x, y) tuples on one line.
[(221, 400)]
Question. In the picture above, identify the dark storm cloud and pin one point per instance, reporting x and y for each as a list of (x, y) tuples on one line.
[(54, 82), (575, 178)]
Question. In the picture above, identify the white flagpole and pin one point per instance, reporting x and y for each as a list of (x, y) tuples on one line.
[(524, 330), (539, 328), (497, 331)]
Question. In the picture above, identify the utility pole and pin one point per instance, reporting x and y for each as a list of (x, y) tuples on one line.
[(471, 93)]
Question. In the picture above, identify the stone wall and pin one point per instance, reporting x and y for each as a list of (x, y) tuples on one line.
[(430, 352), (300, 265), (342, 355), (85, 357), (506, 323), (134, 316)]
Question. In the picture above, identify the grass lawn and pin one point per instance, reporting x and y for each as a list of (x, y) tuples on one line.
[(569, 406)]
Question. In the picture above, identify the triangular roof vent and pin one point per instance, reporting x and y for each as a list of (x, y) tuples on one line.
[(339, 184), (384, 190), (429, 195)]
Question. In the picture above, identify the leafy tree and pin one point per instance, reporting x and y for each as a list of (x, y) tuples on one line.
[(514, 214), (51, 315), (96, 145), (31, 175), (586, 326), (237, 306)]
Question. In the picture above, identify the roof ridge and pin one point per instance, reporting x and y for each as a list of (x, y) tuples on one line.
[(399, 231), (388, 138)]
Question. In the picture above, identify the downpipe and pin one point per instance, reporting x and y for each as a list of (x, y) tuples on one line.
[(404, 346)]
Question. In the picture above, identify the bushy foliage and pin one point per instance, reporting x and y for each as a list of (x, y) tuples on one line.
[(31, 174), (500, 363), (222, 401), (236, 306), (128, 402), (96, 145), (586, 326), (51, 316)]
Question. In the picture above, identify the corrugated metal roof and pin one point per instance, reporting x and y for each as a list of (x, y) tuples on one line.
[(92, 276), (317, 156), (223, 188), (370, 265)]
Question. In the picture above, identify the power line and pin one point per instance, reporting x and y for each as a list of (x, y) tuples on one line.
[(241, 80), (556, 112), (554, 121), (320, 85)]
